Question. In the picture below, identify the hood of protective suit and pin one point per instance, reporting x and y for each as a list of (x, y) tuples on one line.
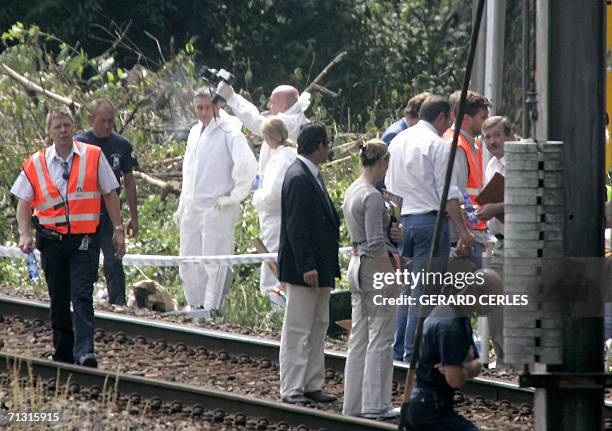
[(301, 105)]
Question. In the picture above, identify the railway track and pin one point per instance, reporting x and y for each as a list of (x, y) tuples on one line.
[(186, 397), (236, 344)]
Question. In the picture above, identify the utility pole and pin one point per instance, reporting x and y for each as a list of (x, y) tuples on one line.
[(570, 97)]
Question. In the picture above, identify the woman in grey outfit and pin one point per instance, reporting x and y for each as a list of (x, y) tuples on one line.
[(369, 366)]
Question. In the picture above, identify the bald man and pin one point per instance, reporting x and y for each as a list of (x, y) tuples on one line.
[(285, 102)]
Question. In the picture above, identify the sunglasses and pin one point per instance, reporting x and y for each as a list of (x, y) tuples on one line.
[(66, 171)]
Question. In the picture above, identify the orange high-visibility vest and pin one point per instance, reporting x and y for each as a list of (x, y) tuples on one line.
[(475, 181), (80, 213)]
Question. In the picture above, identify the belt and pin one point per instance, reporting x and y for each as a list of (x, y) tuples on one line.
[(51, 234), (422, 214), (56, 236), (499, 236)]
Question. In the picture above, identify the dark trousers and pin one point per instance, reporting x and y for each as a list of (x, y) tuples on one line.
[(113, 266), (430, 412), (71, 273)]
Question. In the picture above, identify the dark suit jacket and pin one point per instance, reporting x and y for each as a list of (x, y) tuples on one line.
[(309, 234)]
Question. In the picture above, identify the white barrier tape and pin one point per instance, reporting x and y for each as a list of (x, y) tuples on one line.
[(162, 260)]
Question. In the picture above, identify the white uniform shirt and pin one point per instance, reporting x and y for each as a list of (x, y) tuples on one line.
[(267, 199), (495, 165), (218, 162), (250, 116), (417, 168), (106, 178)]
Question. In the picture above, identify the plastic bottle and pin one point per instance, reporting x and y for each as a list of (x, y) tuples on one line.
[(32, 267), (256, 182), (469, 211)]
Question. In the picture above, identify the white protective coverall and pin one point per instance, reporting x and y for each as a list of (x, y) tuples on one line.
[(250, 116), (218, 163), (267, 200)]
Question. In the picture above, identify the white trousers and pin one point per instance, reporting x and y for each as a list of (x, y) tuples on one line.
[(368, 373), (270, 228), (206, 233), (302, 357)]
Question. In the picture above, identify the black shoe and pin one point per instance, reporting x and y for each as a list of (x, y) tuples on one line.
[(320, 397), (89, 360), (296, 399)]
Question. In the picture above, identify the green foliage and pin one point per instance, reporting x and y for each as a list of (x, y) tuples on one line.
[(264, 42), (394, 48)]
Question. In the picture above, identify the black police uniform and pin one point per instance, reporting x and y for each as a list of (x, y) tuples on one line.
[(447, 337), (118, 151)]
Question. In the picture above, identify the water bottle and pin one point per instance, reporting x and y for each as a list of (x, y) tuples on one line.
[(256, 182), (32, 267), (469, 210)]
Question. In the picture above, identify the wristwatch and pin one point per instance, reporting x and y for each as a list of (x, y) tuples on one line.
[(118, 228)]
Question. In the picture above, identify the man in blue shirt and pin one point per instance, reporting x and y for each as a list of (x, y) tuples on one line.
[(411, 117), (449, 358), (118, 151)]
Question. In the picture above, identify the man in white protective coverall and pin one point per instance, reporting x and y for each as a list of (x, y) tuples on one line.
[(218, 169), (288, 105)]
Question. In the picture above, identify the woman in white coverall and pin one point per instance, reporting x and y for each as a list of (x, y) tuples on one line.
[(218, 169), (369, 365), (267, 199)]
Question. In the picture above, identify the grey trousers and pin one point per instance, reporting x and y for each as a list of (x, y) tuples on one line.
[(496, 317)]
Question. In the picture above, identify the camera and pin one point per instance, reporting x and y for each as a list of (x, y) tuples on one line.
[(214, 77)]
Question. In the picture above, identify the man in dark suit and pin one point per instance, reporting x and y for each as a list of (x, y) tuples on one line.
[(308, 264)]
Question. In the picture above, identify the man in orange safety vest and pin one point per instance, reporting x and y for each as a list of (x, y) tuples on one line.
[(63, 185), (468, 163)]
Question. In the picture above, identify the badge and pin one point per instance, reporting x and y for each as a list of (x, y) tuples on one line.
[(84, 243)]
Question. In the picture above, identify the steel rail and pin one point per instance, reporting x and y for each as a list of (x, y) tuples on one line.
[(188, 395), (237, 344)]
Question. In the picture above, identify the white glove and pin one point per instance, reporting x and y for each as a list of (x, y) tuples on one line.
[(178, 215), (225, 90), (225, 201)]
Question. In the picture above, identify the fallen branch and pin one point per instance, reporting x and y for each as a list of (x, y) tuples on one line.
[(351, 144), (166, 187), (326, 69), (166, 161), (120, 35), (132, 115), (323, 90), (29, 85), (338, 161)]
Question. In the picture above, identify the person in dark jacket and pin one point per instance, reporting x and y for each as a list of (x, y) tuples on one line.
[(449, 358), (308, 265)]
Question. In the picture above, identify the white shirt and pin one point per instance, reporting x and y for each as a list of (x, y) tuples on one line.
[(106, 178), (218, 162), (267, 199), (417, 168), (313, 168), (495, 165), (250, 116)]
